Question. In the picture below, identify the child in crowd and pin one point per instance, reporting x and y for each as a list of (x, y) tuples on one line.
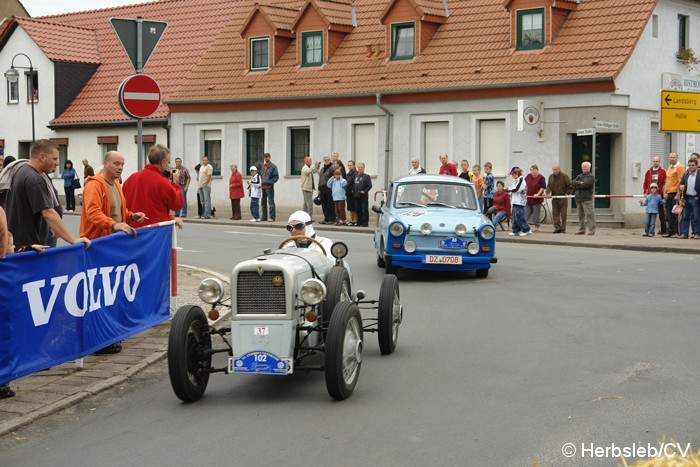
[(337, 185), (479, 185), (488, 186), (653, 202), (255, 190), (501, 200)]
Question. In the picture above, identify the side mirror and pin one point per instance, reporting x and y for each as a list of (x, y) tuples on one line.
[(377, 208), (490, 211)]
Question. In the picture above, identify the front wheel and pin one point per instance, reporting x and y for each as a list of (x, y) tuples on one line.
[(482, 273), (380, 260), (189, 362), (343, 350), (389, 315)]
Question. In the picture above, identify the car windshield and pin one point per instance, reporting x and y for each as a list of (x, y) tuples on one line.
[(447, 195)]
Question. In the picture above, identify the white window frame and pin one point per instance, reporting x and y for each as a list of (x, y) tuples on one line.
[(242, 141), (201, 129), (14, 85), (258, 39), (287, 144), (351, 143), (475, 156), (418, 145)]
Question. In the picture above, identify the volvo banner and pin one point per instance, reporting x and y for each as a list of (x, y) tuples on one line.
[(69, 302)]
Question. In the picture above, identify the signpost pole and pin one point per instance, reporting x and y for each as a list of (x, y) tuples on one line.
[(593, 154), (139, 69)]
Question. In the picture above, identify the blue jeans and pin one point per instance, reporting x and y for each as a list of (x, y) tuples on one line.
[(184, 205), (254, 208), (691, 210), (649, 222), (499, 217), (205, 193), (268, 196), (519, 221)]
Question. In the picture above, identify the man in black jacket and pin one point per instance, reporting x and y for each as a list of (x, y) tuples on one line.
[(361, 189), (690, 188), (325, 193), (584, 187)]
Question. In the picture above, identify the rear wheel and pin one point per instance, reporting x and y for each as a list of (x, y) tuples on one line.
[(189, 362), (389, 315), (338, 287), (343, 350)]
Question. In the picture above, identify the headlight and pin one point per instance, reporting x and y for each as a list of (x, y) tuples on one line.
[(312, 291), (409, 246), (460, 230), (473, 248), (211, 290), (339, 250), (487, 232), (396, 229), (426, 229)]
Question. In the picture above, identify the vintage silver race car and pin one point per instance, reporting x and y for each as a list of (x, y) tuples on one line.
[(291, 309)]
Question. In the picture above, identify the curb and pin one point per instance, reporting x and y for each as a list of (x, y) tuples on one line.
[(108, 383), (638, 248)]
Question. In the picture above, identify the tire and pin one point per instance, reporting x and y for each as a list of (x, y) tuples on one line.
[(389, 315), (343, 350), (543, 213), (482, 273), (380, 261), (338, 287), (189, 374), (390, 268)]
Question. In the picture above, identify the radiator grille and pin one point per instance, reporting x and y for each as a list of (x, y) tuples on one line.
[(259, 295)]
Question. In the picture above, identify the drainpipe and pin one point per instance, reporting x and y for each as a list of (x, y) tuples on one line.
[(387, 142)]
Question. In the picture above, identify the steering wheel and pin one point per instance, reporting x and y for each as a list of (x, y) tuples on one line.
[(300, 237)]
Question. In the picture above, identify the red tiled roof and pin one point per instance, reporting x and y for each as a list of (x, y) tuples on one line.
[(62, 43), (332, 11), (423, 7), (472, 50), (192, 26)]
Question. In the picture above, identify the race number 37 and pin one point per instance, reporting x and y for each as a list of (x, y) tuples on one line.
[(261, 331)]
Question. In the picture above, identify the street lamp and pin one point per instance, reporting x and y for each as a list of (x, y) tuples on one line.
[(12, 76)]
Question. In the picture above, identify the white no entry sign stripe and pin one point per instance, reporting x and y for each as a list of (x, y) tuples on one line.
[(142, 96)]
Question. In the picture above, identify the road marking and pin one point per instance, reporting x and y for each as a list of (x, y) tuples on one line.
[(189, 251), (253, 233)]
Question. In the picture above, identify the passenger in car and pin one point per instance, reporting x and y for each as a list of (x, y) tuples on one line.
[(300, 223)]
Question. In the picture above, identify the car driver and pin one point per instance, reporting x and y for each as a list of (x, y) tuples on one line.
[(300, 223)]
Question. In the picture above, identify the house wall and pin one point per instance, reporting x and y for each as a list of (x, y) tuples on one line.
[(16, 119)]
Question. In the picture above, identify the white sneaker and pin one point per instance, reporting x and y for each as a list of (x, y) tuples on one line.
[(525, 234), (512, 234)]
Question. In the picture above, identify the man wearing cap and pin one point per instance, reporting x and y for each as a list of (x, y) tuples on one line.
[(584, 184), (300, 223), (255, 192), (518, 200), (269, 177)]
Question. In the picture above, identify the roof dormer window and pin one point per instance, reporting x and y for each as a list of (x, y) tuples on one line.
[(259, 53), (530, 29), (403, 41), (312, 48)]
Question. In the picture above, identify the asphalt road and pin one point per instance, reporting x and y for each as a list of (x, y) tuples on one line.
[(558, 345)]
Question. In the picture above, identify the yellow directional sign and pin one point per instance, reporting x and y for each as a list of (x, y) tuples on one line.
[(680, 111)]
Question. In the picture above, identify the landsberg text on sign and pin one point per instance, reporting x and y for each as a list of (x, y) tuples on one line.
[(680, 111)]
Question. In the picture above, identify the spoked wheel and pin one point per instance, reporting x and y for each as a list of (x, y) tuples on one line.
[(389, 315), (343, 350), (338, 286), (188, 362)]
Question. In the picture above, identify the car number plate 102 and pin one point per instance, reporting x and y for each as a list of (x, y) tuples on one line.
[(261, 362), (442, 259)]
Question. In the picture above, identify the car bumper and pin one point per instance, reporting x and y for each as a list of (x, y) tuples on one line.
[(415, 261)]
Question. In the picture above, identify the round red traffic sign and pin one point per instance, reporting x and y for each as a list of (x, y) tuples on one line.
[(139, 96)]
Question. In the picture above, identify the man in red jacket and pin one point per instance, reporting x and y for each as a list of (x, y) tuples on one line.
[(656, 174), (154, 189)]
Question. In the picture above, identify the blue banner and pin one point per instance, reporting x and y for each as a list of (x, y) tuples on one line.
[(69, 302)]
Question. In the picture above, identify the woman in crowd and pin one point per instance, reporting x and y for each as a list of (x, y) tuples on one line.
[(68, 176), (235, 192), (350, 177)]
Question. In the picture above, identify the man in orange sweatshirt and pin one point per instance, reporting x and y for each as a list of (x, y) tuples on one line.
[(104, 205)]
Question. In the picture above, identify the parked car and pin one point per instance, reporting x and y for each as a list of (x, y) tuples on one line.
[(433, 222), (288, 307)]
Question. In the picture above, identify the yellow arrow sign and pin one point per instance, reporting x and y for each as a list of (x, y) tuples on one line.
[(680, 111)]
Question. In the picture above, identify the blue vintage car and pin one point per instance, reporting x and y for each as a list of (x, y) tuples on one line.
[(433, 222)]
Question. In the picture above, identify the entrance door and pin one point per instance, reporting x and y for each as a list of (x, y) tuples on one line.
[(582, 151)]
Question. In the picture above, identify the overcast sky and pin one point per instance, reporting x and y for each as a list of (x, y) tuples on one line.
[(52, 7)]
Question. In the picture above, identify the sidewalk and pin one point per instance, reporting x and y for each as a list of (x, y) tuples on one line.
[(620, 239), (50, 391)]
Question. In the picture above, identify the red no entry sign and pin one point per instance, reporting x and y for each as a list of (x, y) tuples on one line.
[(139, 96)]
